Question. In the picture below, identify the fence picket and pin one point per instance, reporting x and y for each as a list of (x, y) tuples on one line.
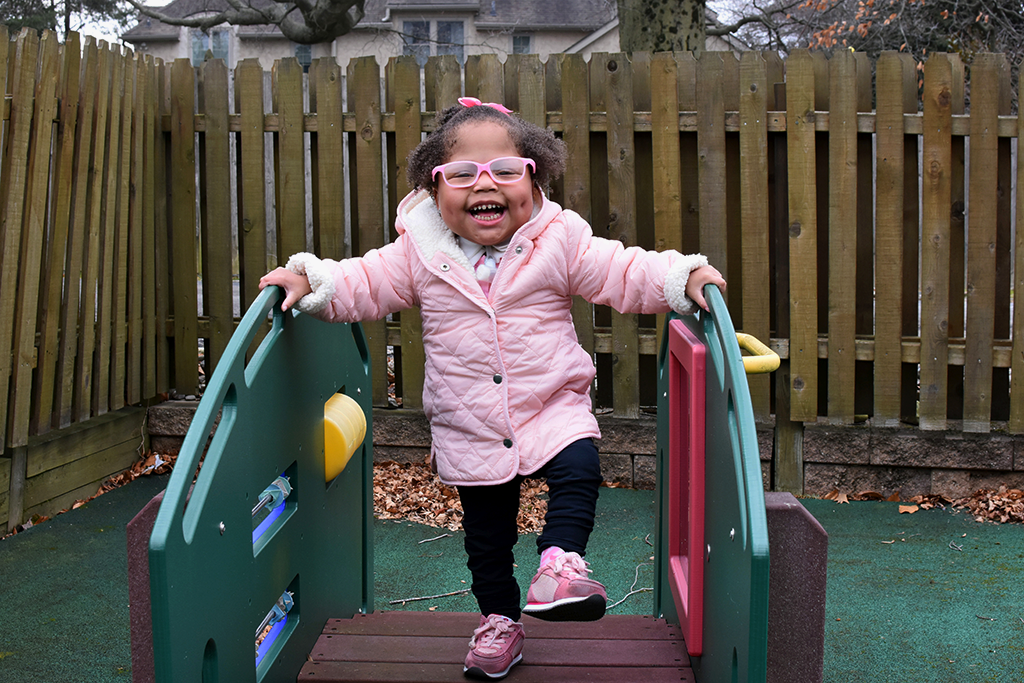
[(77, 232), (368, 227), (935, 240), (136, 217), (622, 226), (842, 238), (33, 229), (13, 181), (106, 254), (161, 227), (182, 225), (52, 277), (532, 93), (215, 207), (119, 329), (889, 240), (981, 242), (711, 161), (485, 78), (252, 200), (289, 159), (403, 77), (803, 262), (668, 219), (442, 82), (755, 221), (328, 189)]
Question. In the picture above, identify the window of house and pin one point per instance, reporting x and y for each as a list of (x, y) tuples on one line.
[(521, 45), (450, 39), (213, 44), (304, 53), (416, 35)]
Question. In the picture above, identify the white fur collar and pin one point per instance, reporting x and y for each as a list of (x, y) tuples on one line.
[(423, 222)]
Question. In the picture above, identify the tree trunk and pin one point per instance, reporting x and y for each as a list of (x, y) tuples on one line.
[(661, 25)]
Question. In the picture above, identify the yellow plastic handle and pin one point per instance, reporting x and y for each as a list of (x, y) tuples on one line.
[(344, 431), (763, 358)]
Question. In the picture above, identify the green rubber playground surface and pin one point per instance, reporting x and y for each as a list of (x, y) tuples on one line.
[(933, 596)]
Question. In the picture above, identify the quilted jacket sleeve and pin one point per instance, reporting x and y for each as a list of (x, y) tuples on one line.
[(364, 288), (630, 280)]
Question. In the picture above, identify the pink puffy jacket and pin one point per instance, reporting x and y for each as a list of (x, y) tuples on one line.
[(506, 382)]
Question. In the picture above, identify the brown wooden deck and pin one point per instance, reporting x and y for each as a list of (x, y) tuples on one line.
[(421, 647)]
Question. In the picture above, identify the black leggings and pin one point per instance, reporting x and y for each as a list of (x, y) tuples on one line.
[(489, 519)]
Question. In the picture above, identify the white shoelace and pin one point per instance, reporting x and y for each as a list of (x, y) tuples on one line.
[(571, 563), (489, 637)]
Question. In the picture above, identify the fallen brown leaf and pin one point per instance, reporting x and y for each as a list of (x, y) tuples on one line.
[(908, 509)]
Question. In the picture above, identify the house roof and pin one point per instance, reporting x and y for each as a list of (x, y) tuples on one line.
[(520, 15)]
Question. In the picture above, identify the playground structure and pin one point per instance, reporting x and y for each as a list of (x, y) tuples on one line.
[(292, 454)]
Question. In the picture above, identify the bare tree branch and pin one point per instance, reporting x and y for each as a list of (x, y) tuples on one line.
[(303, 21)]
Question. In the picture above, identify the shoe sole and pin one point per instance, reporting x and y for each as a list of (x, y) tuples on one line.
[(590, 608), (477, 672)]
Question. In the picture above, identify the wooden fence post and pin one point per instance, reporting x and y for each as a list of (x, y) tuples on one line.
[(935, 241), (889, 240), (842, 238), (803, 229)]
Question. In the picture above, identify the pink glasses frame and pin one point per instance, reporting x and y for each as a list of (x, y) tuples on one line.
[(480, 168)]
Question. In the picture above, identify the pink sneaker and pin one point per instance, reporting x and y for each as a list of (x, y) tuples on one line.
[(561, 591), (495, 647)]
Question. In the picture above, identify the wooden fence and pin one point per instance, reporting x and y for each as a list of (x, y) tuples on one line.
[(837, 207)]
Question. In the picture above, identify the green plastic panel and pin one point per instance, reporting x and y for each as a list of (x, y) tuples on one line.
[(211, 584), (735, 629)]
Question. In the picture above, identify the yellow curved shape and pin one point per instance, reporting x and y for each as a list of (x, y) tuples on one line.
[(762, 360), (344, 431)]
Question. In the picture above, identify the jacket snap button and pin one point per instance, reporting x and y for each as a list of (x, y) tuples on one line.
[(445, 267), (497, 379), (519, 250), (508, 443)]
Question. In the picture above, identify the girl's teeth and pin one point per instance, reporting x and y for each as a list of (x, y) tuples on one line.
[(487, 211)]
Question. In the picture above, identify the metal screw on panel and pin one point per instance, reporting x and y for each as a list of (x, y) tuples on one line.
[(732, 534), (708, 556), (221, 527)]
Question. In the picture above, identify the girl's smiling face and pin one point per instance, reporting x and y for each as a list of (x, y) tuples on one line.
[(485, 212)]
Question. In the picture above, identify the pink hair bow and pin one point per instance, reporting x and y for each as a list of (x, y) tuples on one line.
[(474, 102)]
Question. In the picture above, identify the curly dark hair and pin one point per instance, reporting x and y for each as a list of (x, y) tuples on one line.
[(531, 141)]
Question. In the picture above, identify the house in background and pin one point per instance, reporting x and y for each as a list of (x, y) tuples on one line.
[(395, 27)]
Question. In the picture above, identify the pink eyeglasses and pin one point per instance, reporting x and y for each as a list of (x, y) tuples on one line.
[(503, 170)]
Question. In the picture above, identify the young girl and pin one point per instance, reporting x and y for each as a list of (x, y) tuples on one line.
[(493, 265)]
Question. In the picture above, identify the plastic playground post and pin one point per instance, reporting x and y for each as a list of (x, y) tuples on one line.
[(734, 634), (213, 578)]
